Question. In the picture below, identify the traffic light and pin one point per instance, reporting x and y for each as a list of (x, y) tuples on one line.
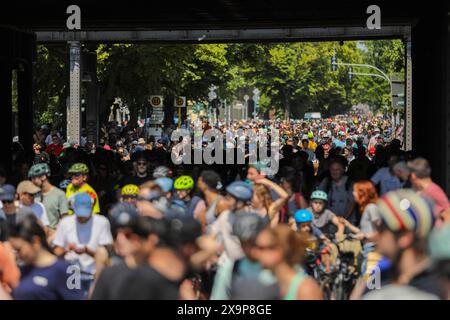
[(333, 63)]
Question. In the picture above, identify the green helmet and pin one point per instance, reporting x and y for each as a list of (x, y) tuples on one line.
[(37, 170), (183, 183), (319, 195), (78, 168), (438, 243)]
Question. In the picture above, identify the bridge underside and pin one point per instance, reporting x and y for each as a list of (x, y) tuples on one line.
[(427, 29)]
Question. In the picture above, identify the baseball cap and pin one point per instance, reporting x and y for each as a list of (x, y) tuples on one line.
[(7, 192), (27, 187), (82, 204)]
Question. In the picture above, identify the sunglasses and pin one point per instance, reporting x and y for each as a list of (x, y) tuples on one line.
[(77, 175), (142, 163), (127, 197), (8, 201), (266, 247)]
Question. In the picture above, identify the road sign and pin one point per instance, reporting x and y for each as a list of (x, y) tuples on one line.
[(156, 101), (333, 63), (179, 102), (398, 94)]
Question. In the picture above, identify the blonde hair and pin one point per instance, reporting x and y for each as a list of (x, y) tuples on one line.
[(263, 193)]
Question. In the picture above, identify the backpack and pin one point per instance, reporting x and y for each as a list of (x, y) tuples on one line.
[(191, 208)]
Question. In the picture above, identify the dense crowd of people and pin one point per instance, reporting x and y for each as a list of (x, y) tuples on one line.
[(121, 221)]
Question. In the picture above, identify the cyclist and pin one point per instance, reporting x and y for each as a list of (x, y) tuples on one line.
[(129, 194), (407, 219), (166, 185), (53, 199), (79, 175), (303, 223), (184, 187), (323, 217)]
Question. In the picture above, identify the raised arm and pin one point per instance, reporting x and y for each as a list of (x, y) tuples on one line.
[(283, 196)]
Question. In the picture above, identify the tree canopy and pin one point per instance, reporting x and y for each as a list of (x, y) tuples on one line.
[(295, 76)]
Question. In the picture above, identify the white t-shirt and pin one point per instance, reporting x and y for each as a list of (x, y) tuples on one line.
[(96, 232), (39, 211), (223, 228)]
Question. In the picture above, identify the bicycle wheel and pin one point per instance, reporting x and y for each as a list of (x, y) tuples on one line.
[(326, 287)]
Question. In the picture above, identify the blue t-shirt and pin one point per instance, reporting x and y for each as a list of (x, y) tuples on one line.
[(48, 283), (339, 143)]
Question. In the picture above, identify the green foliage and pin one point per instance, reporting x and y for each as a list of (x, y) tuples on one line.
[(51, 78), (292, 76)]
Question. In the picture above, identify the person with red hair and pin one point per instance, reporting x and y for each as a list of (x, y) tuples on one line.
[(366, 196)]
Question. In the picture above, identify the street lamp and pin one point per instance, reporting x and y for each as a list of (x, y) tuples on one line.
[(244, 110), (211, 96), (256, 100)]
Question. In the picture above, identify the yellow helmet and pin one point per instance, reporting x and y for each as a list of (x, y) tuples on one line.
[(130, 190)]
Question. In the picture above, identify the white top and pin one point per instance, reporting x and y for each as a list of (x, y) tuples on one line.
[(94, 233), (39, 211), (223, 228)]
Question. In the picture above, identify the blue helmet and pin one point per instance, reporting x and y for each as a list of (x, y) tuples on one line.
[(303, 215), (240, 190), (64, 184), (166, 184)]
